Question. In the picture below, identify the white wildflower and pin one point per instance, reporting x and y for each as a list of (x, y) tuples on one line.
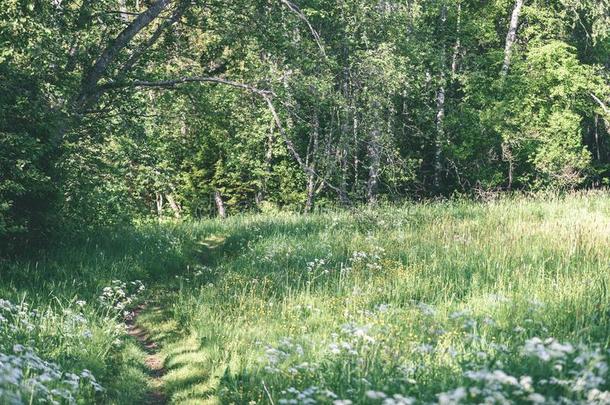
[(375, 394), (452, 397), (536, 398)]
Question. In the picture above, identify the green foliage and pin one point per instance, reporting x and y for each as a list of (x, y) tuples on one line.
[(545, 100), (62, 313), (95, 185), (23, 182), (355, 85), (561, 158), (115, 117), (26, 191)]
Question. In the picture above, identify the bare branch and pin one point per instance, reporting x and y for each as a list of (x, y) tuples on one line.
[(194, 79), (291, 147), (295, 9), (601, 104), (267, 95)]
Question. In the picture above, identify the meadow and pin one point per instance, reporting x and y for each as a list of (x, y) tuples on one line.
[(504, 301)]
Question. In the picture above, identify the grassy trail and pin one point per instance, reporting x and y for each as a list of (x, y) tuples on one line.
[(178, 365), (153, 362), (183, 376)]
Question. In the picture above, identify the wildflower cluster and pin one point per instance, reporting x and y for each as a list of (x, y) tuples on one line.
[(317, 266), (200, 270), (16, 320), (25, 376), (308, 396), (396, 399), (534, 370), (119, 295), (45, 352), (286, 358), (316, 269), (20, 323), (367, 260), (565, 374)]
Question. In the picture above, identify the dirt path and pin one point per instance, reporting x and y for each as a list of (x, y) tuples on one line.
[(153, 362)]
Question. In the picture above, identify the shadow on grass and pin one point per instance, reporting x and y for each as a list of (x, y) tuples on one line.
[(187, 376), (234, 239), (189, 372)]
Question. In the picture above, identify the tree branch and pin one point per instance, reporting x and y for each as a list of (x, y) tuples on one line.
[(90, 81), (295, 9), (267, 95), (101, 13), (290, 145), (172, 83), (601, 104), (133, 59)]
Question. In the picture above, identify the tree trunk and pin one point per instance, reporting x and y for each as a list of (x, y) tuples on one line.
[(440, 135), (311, 190), (440, 111), (507, 155), (456, 47), (374, 156), (598, 155), (89, 90), (261, 193), (343, 196), (175, 207), (511, 36), (356, 158), (159, 204), (311, 179), (349, 113), (220, 205)]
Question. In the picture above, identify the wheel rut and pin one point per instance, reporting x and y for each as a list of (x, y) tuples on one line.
[(153, 362)]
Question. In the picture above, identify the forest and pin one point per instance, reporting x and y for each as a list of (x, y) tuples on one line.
[(115, 110), (304, 201)]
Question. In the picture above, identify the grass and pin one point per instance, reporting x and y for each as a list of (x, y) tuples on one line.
[(439, 302)]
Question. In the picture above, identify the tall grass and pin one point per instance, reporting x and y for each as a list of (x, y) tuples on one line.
[(62, 332), (439, 302), (394, 303)]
